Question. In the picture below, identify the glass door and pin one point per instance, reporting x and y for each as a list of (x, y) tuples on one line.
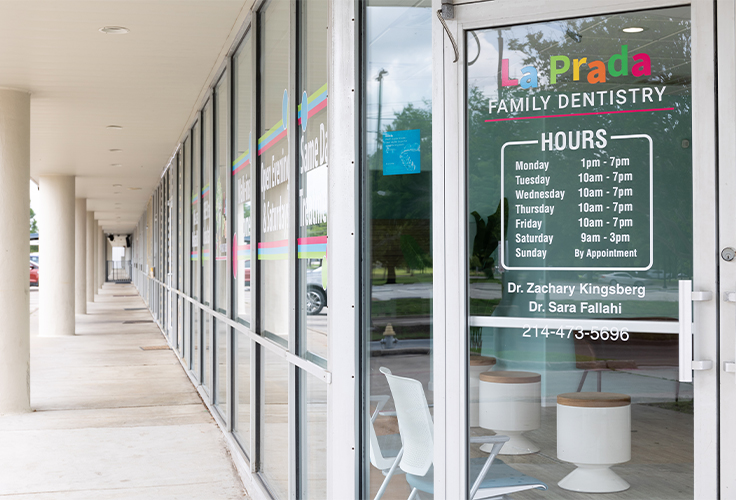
[(584, 218)]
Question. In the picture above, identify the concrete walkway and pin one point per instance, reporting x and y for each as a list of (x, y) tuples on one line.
[(111, 420)]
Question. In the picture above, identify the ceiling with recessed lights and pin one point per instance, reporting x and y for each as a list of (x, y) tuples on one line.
[(111, 107)]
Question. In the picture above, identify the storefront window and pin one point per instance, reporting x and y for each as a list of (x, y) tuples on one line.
[(312, 139), (274, 170), (579, 228), (187, 247), (273, 246), (207, 159), (241, 254), (398, 195), (221, 249), (196, 253), (179, 251), (312, 160)]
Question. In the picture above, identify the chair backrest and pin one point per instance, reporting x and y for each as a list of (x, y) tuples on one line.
[(415, 423)]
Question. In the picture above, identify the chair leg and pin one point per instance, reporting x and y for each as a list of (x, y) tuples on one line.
[(582, 381), (677, 390), (413, 494), (600, 374), (391, 471)]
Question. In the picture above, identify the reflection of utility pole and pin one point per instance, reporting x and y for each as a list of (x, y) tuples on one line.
[(500, 62), (379, 78)]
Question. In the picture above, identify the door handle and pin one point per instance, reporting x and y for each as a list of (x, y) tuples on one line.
[(729, 366), (687, 296)]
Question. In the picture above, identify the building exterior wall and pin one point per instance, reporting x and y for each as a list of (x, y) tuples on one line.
[(323, 221)]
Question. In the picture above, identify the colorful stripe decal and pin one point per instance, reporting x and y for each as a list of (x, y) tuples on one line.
[(241, 162), (195, 256), (271, 137), (194, 199), (205, 255), (273, 250), (314, 247), (205, 190), (221, 258), (316, 102), (244, 251)]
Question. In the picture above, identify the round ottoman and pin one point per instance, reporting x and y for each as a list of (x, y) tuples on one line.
[(510, 404), (594, 432), (477, 365)]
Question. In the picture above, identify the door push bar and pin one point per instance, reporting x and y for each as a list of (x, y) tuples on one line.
[(729, 366), (687, 364)]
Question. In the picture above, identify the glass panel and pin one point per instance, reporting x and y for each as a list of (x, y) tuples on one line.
[(197, 341), (313, 437), (180, 251), (207, 352), (242, 178), (206, 203), (242, 389), (196, 254), (312, 208), (221, 171), (186, 258), (273, 157), (398, 194), (221, 249), (275, 430), (220, 398), (579, 228), (196, 235)]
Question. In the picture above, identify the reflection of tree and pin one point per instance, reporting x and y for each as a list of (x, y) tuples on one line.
[(402, 204), (487, 236)]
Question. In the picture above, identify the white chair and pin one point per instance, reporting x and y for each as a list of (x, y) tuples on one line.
[(490, 479), (385, 451)]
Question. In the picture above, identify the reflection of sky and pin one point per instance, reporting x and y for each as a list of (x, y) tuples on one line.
[(400, 42)]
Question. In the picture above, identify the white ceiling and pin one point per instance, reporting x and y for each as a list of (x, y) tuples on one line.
[(149, 81)]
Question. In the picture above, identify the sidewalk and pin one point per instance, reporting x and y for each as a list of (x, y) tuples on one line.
[(111, 420)]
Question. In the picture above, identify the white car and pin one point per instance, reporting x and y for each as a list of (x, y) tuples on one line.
[(622, 278)]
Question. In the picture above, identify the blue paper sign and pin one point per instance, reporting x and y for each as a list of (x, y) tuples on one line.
[(401, 152)]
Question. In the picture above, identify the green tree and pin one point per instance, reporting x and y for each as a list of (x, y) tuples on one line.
[(34, 224), (34, 229)]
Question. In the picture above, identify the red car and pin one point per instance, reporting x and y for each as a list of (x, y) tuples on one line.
[(34, 273)]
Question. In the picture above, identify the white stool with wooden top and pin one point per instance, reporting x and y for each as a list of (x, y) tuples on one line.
[(594, 433), (477, 365), (511, 404)]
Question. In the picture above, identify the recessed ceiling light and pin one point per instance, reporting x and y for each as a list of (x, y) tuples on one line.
[(114, 127), (117, 185), (114, 30), (633, 29), (134, 189), (115, 150), (118, 192)]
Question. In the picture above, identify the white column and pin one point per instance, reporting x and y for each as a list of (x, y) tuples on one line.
[(102, 255), (95, 258), (15, 152), (89, 256), (80, 252), (56, 290)]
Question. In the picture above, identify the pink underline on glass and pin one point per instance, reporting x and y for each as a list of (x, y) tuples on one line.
[(579, 114)]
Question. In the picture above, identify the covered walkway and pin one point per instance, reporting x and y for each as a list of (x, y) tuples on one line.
[(112, 417)]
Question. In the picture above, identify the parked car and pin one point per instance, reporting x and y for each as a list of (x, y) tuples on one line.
[(34, 257), (316, 294), (622, 278), (34, 273)]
